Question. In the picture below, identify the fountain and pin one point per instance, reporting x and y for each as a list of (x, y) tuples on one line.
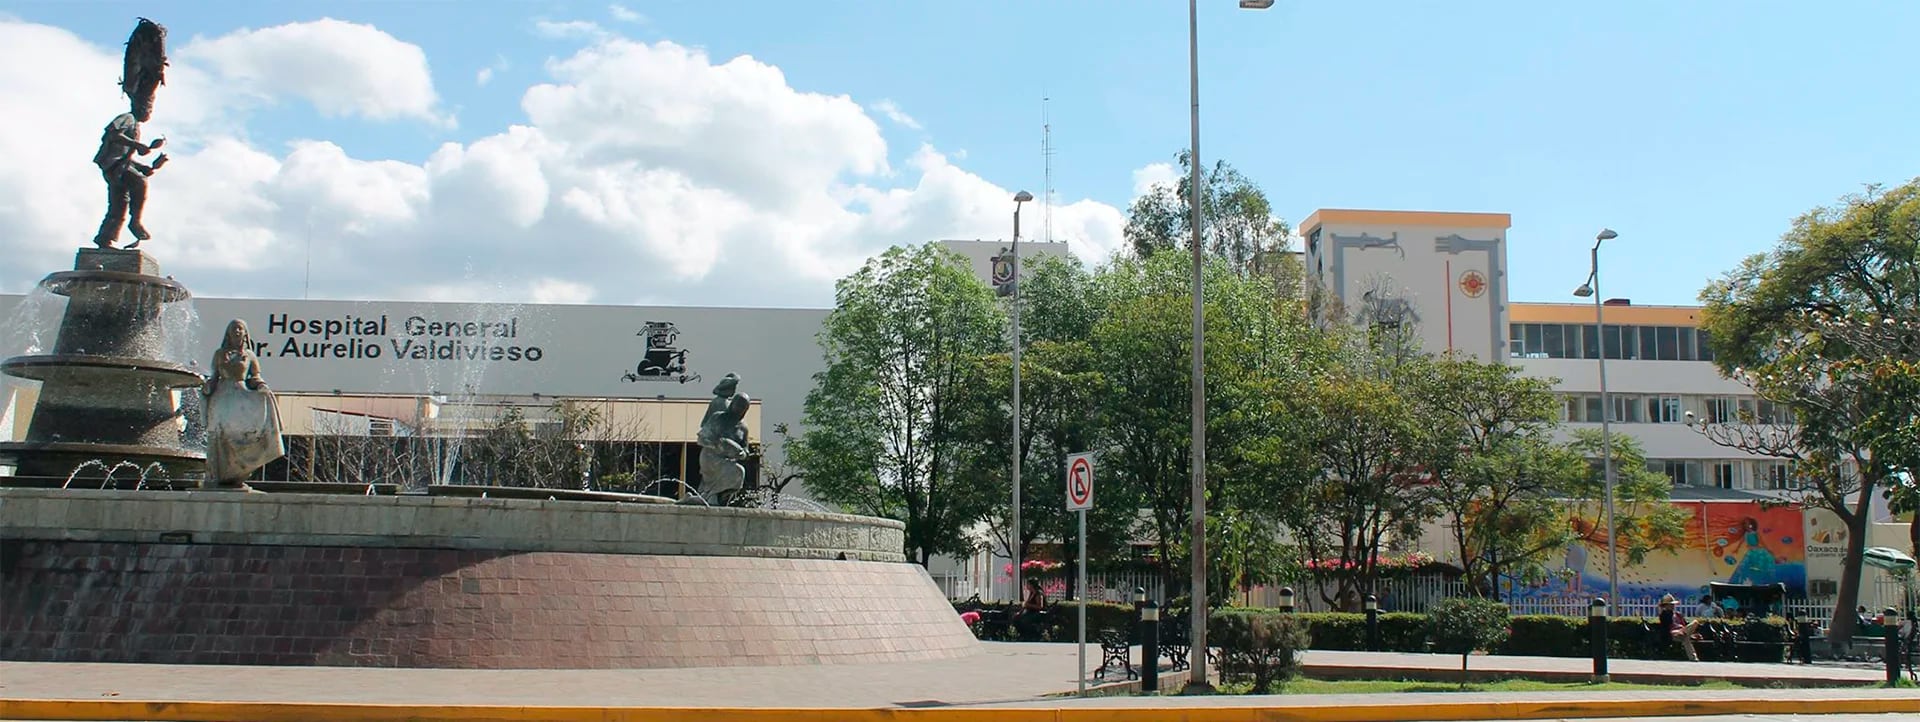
[(442, 575), (107, 392)]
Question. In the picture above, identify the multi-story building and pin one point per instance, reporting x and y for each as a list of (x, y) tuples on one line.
[(1445, 273), (1660, 376)]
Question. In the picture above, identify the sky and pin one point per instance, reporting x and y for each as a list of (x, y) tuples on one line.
[(749, 153)]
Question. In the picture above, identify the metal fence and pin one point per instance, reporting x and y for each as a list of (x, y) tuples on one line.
[(1412, 594)]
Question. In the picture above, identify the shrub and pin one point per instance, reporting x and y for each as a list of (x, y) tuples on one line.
[(1065, 616), (1464, 626), (1399, 631), (1262, 647), (1547, 635)]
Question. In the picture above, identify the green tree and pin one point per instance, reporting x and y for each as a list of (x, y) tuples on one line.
[(1239, 225), (885, 422), (1465, 626), (1799, 326), (1363, 434), (1142, 349), (1644, 520), (1493, 468)]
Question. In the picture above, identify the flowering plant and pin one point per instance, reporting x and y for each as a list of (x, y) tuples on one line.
[(1383, 565), (1033, 566)]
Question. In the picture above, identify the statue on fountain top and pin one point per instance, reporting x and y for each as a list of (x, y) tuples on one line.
[(243, 421), (143, 72), (723, 442)]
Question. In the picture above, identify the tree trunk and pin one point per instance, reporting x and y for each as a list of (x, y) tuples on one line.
[(1858, 522)]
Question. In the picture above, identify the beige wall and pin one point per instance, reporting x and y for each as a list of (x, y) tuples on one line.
[(669, 420), (1420, 257)]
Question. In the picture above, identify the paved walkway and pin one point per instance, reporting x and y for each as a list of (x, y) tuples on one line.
[(1003, 673)]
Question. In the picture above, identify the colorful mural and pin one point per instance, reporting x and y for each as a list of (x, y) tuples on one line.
[(1734, 542)]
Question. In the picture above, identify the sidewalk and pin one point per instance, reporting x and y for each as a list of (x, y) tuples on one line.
[(1024, 681)]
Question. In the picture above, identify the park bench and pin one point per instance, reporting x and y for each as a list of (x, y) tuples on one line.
[(1115, 649)]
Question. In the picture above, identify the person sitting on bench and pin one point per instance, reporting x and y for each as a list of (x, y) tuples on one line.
[(1674, 624)]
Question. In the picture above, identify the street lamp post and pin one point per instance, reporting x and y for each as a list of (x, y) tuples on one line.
[(1197, 664), (1592, 288), (1013, 535)]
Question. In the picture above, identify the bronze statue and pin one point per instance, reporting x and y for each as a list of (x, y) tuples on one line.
[(723, 442), (143, 71), (243, 421)]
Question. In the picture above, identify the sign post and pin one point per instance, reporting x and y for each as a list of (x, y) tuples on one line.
[(1080, 499)]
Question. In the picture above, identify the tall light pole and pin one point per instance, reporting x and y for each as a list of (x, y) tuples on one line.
[(1013, 534), (1197, 628), (1592, 288)]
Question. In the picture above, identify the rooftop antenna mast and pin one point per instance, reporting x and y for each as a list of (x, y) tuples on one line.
[(1046, 154)]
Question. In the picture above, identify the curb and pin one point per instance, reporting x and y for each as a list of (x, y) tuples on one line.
[(24, 709), (1424, 674)]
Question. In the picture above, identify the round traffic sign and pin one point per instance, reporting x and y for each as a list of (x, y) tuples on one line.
[(1079, 481)]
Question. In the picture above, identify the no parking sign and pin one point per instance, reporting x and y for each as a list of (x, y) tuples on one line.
[(1080, 482)]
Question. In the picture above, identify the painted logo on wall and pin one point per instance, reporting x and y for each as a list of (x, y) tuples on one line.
[(1473, 284), (663, 360), (1002, 268)]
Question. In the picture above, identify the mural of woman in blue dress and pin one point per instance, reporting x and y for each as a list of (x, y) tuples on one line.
[(1753, 562)]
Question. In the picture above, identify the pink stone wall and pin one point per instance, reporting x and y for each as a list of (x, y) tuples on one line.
[(310, 605)]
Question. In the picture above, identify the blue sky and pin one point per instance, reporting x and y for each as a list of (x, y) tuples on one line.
[(1696, 129)]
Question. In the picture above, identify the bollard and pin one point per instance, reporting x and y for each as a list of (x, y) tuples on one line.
[(1890, 620), (1149, 646), (1373, 623), (1597, 631), (1286, 600), (1139, 598)]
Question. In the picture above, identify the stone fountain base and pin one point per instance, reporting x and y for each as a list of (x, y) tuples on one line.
[(107, 397), (386, 581)]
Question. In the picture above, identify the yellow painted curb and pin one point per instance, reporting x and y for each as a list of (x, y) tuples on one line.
[(1465, 709)]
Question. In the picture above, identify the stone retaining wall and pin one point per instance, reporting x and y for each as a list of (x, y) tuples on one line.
[(441, 522), (290, 579), (304, 605)]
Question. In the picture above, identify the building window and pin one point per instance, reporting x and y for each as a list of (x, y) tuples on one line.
[(1775, 475), (1768, 412), (1554, 345), (1669, 342), (1648, 349), (1683, 473), (1664, 409), (1589, 341), (1593, 409), (1723, 474), (1706, 349), (1626, 408), (1687, 350), (1722, 410)]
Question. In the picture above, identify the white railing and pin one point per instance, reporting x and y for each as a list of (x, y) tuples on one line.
[(1397, 594)]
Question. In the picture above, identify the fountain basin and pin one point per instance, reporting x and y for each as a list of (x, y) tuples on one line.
[(89, 374), (70, 283), (50, 463), (438, 581)]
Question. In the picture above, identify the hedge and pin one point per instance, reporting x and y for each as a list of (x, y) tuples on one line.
[(1539, 635)]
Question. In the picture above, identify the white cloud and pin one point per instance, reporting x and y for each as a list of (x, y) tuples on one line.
[(894, 113), (341, 68), (643, 172), (486, 74), (1153, 174), (568, 29), (622, 14)]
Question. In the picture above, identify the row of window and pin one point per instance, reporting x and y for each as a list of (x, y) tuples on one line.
[(1672, 409), (1630, 343), (1727, 473)]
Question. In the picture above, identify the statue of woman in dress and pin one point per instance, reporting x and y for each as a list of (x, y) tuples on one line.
[(723, 442), (243, 423)]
